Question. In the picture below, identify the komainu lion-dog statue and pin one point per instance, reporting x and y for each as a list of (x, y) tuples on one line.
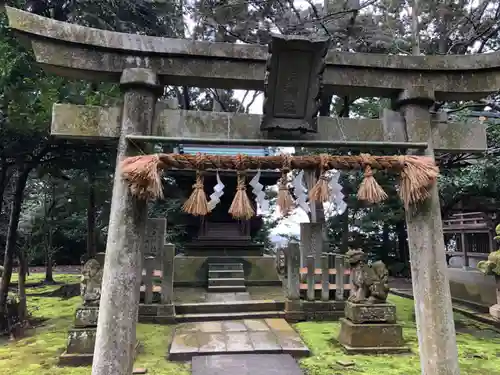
[(369, 284)]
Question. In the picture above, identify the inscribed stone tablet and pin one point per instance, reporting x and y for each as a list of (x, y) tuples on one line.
[(292, 89), (155, 236)]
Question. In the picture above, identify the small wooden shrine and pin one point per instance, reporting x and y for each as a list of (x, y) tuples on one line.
[(473, 233), (218, 233)]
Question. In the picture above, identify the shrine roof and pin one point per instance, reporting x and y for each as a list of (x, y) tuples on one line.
[(223, 150)]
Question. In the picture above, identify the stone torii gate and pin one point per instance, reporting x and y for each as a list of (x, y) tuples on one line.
[(142, 65)]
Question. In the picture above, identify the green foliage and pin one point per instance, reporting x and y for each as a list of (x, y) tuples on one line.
[(492, 265)]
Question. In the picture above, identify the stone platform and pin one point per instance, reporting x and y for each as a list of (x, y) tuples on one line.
[(245, 364), (258, 336), (192, 271)]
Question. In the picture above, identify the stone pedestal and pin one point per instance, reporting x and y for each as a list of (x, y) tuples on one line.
[(495, 311), (323, 310), (157, 313), (86, 316), (371, 329), (81, 338)]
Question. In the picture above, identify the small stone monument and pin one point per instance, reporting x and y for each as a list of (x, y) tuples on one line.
[(370, 324), (491, 267), (81, 338)]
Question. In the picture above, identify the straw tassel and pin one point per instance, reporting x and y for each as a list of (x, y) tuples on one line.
[(143, 176), (285, 201), (197, 203), (369, 189), (418, 175), (320, 192), (241, 208)]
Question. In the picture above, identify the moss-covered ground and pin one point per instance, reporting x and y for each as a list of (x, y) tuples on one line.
[(478, 347), (37, 353)]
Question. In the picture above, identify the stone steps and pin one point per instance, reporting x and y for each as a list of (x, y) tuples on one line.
[(228, 316), (219, 273), (226, 281), (225, 266), (230, 307), (226, 277), (226, 288)]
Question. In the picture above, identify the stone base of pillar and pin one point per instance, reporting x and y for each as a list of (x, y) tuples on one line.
[(323, 310), (495, 311), (371, 329), (81, 338), (157, 313), (293, 311), (300, 310)]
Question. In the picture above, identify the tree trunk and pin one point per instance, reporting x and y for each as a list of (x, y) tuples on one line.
[(344, 243), (49, 278), (386, 243), (23, 266), (10, 244), (91, 210), (48, 249), (403, 250), (3, 182)]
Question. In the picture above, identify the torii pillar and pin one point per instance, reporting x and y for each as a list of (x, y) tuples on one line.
[(431, 288), (119, 306)]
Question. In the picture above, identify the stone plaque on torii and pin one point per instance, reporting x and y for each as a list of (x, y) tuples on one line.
[(143, 64)]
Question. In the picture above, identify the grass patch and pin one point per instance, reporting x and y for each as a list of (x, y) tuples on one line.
[(37, 278), (478, 347), (37, 354)]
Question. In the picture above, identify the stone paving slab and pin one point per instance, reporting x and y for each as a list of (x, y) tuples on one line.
[(211, 342), (234, 326), (239, 342), (256, 325), (245, 364), (264, 336)]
